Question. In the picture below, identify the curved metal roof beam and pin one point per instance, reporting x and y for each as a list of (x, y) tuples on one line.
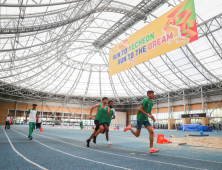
[(39, 5), (64, 22), (79, 63), (52, 77), (40, 32), (85, 60), (179, 71), (158, 78), (32, 56), (66, 79), (28, 78), (28, 71), (49, 41), (152, 85), (139, 84), (28, 64), (11, 16)]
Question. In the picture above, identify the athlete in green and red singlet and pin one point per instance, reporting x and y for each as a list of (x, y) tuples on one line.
[(99, 119)]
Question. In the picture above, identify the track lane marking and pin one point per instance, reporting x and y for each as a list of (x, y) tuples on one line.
[(74, 155), (41, 167), (121, 155), (139, 151)]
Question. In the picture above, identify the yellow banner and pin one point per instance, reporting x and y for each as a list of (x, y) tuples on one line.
[(172, 30)]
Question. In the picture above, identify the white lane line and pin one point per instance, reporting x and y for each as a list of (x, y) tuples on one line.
[(139, 151), (120, 155), (75, 155), (23, 155)]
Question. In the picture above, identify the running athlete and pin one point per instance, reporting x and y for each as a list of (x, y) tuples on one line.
[(99, 119), (7, 120), (81, 125), (142, 119), (111, 113), (32, 119)]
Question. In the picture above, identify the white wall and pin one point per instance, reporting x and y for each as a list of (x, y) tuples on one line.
[(120, 119)]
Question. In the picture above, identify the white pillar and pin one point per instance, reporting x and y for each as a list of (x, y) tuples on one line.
[(15, 111), (81, 112), (184, 102), (169, 105), (42, 108), (156, 110), (202, 99), (63, 114)]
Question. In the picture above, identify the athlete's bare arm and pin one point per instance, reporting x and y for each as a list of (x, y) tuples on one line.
[(108, 111), (26, 118), (96, 106), (154, 120), (142, 111)]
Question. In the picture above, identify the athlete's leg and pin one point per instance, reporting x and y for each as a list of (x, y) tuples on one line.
[(107, 135), (88, 140), (136, 133), (106, 129), (149, 128), (138, 130), (101, 128), (93, 134), (102, 132), (33, 126), (30, 129)]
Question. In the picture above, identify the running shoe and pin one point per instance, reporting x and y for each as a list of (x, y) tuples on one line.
[(31, 138), (109, 143), (153, 150), (88, 141), (94, 139), (127, 128)]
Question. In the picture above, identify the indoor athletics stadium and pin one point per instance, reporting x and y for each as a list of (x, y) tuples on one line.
[(110, 84)]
